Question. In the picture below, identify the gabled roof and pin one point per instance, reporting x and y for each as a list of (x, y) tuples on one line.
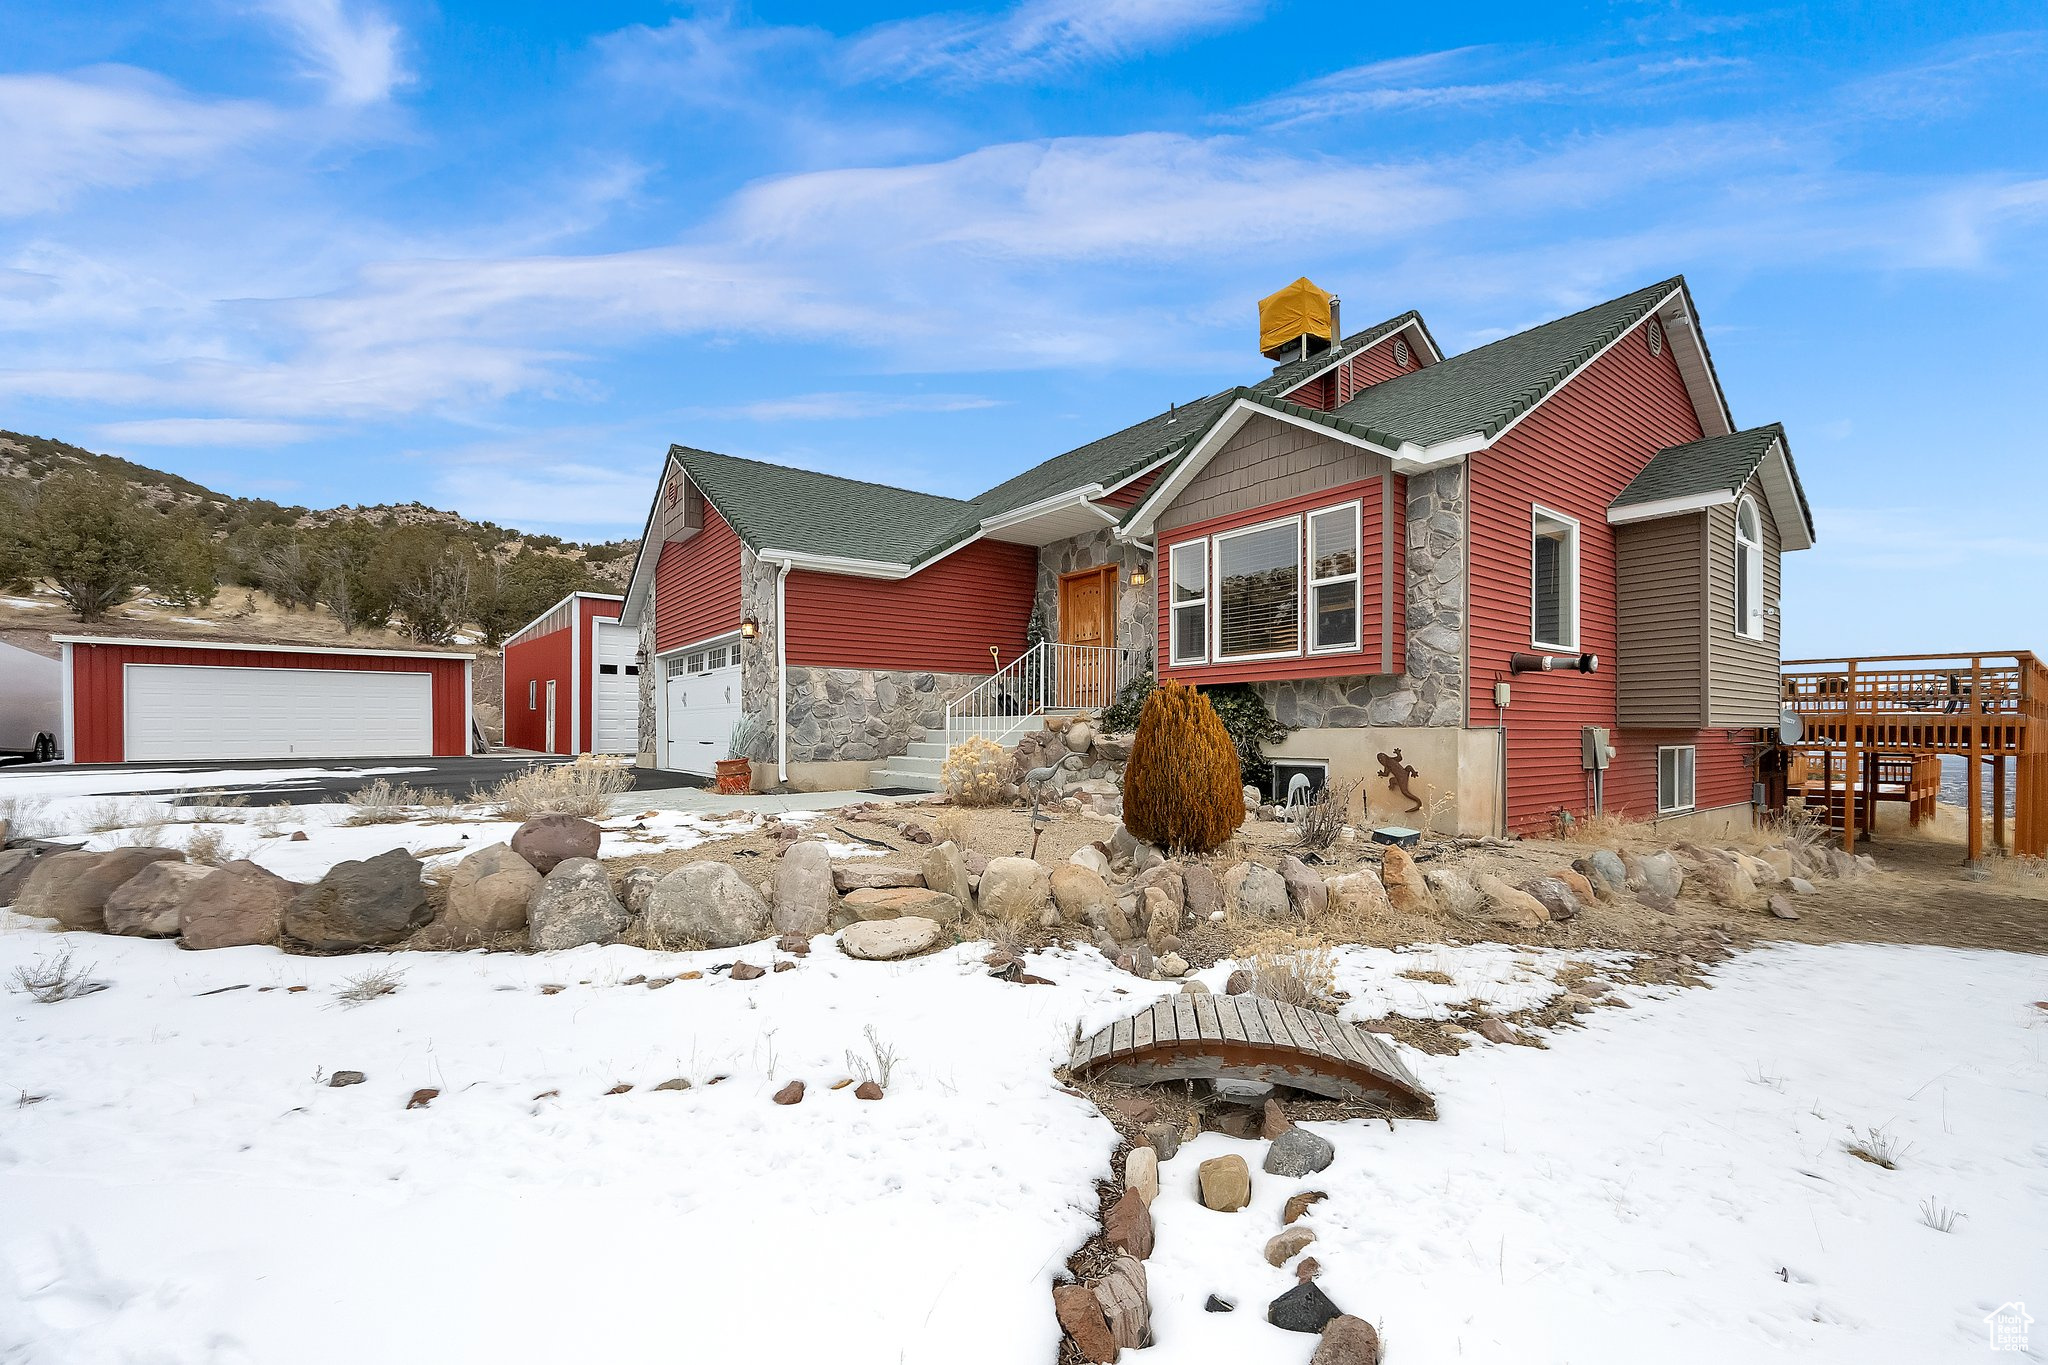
[(775, 506), (1292, 375), (1482, 391), (1715, 469)]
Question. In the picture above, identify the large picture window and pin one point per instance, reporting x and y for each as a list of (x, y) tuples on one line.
[(1674, 778), (1190, 605), (1554, 577), (1258, 591), (1749, 571), (1333, 579)]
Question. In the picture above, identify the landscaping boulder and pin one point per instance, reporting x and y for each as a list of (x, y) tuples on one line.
[(1799, 885), (1168, 880), (1299, 1204), (705, 905), (1659, 874), (146, 905), (234, 906), (1581, 889), (15, 866), (636, 887), (885, 940), (1204, 893), (1141, 1173), (1224, 1183), (1604, 870), (1128, 1225), (945, 870), (1092, 858), (1515, 908), (489, 892), (1305, 889), (1081, 894), (896, 902), (547, 841), (1256, 892), (1406, 891), (1303, 1308), (1358, 894), (359, 904), (1347, 1341), (1287, 1244), (1015, 890), (1129, 855), (1298, 1152), (805, 897), (1554, 896), (866, 877), (1081, 1318), (575, 906), (1126, 1302), (72, 888)]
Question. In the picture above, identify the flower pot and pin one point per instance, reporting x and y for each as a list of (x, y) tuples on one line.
[(735, 776)]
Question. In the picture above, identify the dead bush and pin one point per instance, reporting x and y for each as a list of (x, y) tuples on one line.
[(1293, 968), (381, 803), (1318, 823), (364, 987), (583, 788), (48, 980), (975, 772), (205, 845), (952, 827)]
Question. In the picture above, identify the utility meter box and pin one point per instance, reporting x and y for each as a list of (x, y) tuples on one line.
[(1596, 748)]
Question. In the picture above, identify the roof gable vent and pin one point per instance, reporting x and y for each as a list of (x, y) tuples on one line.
[(1655, 333)]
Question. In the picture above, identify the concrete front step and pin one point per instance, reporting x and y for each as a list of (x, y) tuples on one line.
[(897, 776)]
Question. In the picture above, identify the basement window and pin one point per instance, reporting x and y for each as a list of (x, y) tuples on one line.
[(1674, 778), (1316, 775), (1258, 591), (1554, 577)]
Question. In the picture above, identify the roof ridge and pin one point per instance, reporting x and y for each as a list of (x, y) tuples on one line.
[(674, 448)]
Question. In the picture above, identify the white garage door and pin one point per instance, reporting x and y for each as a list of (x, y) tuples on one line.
[(179, 711), (702, 696), (615, 710)]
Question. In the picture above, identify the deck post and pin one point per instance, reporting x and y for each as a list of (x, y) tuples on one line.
[(1976, 821), (1998, 802), (1849, 766)]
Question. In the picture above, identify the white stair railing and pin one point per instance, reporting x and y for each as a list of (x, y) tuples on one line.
[(1047, 677)]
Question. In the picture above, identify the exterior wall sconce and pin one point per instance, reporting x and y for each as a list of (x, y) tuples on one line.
[(750, 629), (1140, 576)]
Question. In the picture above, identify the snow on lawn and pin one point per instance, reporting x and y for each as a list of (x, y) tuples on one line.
[(1671, 1183), (44, 785)]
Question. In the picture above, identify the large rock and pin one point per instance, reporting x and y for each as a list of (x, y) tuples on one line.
[(1224, 1183), (1255, 891), (1555, 896), (869, 877), (1168, 879), (896, 902), (1128, 1225), (489, 892), (1605, 871), (575, 906), (1126, 1301), (1358, 894), (1511, 906), (1161, 918), (1129, 855), (1141, 1172), (73, 888), (1303, 1308), (945, 869), (1204, 892), (1285, 1245), (885, 940), (705, 905), (146, 905), (1406, 891), (636, 888), (1298, 1152), (1081, 1318), (1305, 888), (547, 841), (1080, 893), (1658, 873), (234, 906), (1015, 890), (1092, 858), (1347, 1341), (805, 897), (359, 904)]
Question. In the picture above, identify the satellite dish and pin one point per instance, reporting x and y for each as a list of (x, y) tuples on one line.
[(1791, 729)]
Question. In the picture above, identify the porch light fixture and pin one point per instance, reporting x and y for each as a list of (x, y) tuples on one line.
[(1140, 576), (750, 629)]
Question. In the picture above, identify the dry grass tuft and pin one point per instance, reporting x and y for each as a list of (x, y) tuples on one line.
[(382, 803), (214, 807), (583, 788), (1430, 975), (1939, 1216), (1877, 1147), (23, 815), (1294, 969), (49, 980), (364, 987), (1609, 829), (115, 812), (952, 826), (205, 845)]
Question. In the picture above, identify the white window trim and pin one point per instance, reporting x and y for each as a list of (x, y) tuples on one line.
[(533, 694), (1755, 574), (1357, 577), (1175, 608), (1692, 775), (1216, 654), (1538, 511)]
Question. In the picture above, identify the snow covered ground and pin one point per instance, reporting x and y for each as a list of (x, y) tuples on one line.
[(1667, 1184)]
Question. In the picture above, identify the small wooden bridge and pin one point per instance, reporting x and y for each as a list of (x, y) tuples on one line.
[(1244, 1037)]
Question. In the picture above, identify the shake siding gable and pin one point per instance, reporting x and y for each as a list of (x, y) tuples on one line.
[(697, 586), (1660, 662), (942, 619), (1573, 454), (1266, 462), (1744, 673)]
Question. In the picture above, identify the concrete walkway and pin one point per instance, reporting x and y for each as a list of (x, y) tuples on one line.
[(704, 801)]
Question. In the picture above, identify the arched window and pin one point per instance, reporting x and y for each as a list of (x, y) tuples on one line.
[(1749, 571)]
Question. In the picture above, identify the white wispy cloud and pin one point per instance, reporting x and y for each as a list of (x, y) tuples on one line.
[(1455, 76), (205, 431), (1035, 38), (353, 51), (108, 127), (826, 407)]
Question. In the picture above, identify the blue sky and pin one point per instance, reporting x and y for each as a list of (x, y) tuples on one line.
[(497, 257)]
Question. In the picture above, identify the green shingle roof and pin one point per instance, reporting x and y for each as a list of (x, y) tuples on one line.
[(1109, 461), (1713, 464), (773, 506), (1482, 390), (1296, 372)]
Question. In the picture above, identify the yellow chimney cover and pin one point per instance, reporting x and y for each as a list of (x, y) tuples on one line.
[(1287, 315)]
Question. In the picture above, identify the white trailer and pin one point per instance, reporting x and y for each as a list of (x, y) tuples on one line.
[(31, 705)]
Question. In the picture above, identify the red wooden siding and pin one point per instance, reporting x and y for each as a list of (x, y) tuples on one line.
[(1366, 659), (1572, 455), (1128, 495), (1397, 532), (1348, 380), (538, 661), (942, 619), (1723, 769), (697, 585), (99, 696)]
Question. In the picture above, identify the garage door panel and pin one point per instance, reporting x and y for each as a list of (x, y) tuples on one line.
[(197, 712), (615, 716)]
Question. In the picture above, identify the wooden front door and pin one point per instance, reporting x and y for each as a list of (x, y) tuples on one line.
[(1087, 617)]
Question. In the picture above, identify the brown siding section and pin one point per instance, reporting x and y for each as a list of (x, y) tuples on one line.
[(1742, 674), (1268, 461), (1660, 640)]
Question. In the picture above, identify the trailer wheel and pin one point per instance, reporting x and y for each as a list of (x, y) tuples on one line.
[(46, 747)]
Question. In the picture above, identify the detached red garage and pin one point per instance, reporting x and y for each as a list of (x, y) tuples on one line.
[(139, 701)]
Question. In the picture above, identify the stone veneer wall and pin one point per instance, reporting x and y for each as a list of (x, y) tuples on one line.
[(757, 656), (650, 684), (1432, 691), (860, 714), (1134, 606)]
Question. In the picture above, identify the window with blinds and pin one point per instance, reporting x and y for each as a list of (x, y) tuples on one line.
[(1258, 591)]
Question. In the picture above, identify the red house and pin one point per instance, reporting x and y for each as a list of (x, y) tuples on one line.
[(572, 679), (1542, 573)]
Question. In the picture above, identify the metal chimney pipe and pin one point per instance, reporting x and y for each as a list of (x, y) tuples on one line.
[(1336, 320)]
